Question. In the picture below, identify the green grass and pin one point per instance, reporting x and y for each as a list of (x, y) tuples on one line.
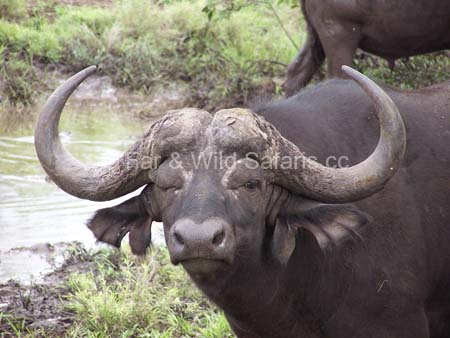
[(415, 72), (141, 44), (13, 9), (145, 44), (140, 298), (116, 294), (17, 327), (17, 75)]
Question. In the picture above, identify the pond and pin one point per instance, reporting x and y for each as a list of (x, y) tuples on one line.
[(34, 211)]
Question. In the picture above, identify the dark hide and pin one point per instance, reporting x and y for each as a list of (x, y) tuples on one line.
[(135, 216), (390, 29), (403, 263), (331, 225), (378, 268)]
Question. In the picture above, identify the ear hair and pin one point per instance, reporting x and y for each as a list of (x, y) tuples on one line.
[(278, 197), (331, 225), (110, 225), (283, 243)]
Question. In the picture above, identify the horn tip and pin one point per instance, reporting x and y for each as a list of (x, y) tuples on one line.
[(355, 75), (91, 69), (349, 70)]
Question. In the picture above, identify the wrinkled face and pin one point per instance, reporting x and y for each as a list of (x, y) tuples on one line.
[(224, 202), (216, 214), (212, 213)]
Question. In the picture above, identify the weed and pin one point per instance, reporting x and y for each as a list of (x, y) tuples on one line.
[(18, 78), (409, 73), (13, 9), (141, 298)]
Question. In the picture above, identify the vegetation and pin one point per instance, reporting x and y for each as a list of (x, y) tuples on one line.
[(18, 79), (13, 9), (223, 49), (412, 73), (114, 294), (142, 44), (140, 298)]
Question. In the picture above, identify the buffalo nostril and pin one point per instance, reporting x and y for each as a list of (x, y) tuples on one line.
[(218, 238), (178, 238)]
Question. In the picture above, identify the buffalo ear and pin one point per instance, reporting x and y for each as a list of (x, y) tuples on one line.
[(110, 225), (283, 243), (331, 225)]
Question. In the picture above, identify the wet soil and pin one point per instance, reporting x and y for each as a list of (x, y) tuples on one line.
[(38, 308)]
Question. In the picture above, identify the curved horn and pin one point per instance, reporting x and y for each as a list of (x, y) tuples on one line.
[(345, 185), (310, 178), (72, 176)]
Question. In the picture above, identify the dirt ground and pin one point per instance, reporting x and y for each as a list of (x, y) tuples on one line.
[(40, 307)]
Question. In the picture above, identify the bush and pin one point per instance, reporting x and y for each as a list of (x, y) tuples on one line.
[(18, 79), (141, 43), (222, 49), (41, 45), (415, 72), (13, 9), (96, 19)]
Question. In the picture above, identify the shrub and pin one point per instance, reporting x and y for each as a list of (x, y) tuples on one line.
[(222, 49), (42, 45), (13, 9), (18, 79)]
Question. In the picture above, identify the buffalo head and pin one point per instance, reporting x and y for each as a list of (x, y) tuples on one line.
[(229, 189)]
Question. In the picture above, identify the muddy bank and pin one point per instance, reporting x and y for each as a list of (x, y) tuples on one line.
[(99, 122), (30, 264), (39, 308), (100, 89)]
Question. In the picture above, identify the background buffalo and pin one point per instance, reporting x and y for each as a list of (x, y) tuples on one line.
[(390, 29)]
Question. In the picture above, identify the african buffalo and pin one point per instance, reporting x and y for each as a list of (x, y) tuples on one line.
[(277, 246), (391, 29)]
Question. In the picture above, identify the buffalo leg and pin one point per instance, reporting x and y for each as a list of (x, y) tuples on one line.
[(305, 65), (339, 44)]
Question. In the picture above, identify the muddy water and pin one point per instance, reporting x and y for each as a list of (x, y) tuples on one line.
[(33, 211)]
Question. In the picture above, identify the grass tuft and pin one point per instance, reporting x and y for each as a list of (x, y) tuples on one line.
[(140, 298), (13, 9), (17, 75), (409, 73)]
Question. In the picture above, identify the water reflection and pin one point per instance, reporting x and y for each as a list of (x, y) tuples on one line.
[(33, 210)]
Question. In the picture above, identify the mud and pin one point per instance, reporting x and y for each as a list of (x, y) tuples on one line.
[(39, 308), (36, 304), (29, 264)]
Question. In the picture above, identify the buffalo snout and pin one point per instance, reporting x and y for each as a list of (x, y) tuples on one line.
[(201, 246)]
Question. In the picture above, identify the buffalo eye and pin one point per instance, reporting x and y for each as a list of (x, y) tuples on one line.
[(171, 188), (252, 184)]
